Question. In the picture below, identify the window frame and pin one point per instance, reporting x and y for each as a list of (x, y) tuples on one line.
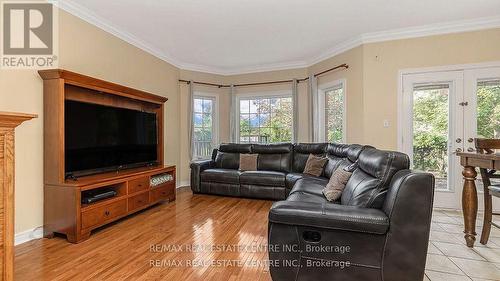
[(215, 120), (259, 95), (322, 89)]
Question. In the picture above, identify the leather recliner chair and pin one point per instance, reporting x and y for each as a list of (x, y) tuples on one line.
[(378, 231)]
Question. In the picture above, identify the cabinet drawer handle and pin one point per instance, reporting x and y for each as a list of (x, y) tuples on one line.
[(106, 213)]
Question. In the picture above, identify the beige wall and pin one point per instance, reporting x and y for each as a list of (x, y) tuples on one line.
[(88, 50), (371, 92), (382, 62), (354, 88)]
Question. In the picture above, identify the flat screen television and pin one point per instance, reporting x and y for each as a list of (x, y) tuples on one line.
[(102, 138)]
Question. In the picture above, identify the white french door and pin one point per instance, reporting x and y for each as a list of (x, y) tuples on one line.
[(442, 113)]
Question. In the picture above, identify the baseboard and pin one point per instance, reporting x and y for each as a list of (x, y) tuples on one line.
[(183, 184), (28, 235)]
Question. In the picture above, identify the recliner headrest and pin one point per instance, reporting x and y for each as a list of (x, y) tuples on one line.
[(337, 149), (235, 147), (272, 148), (354, 151), (382, 164), (307, 148)]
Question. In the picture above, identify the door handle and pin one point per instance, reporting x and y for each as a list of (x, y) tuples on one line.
[(470, 140), (459, 140), (470, 149), (458, 150)]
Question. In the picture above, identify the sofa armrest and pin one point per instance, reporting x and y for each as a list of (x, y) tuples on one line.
[(196, 168), (409, 206), (202, 164), (329, 216)]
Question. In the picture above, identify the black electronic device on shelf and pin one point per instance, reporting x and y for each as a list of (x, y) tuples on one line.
[(95, 195)]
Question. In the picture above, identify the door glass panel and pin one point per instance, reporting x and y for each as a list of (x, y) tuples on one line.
[(488, 113), (430, 131), (488, 109)]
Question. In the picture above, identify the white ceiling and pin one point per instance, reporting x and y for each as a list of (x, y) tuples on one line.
[(237, 36)]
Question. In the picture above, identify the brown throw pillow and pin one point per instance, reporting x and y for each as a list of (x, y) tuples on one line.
[(248, 162), (314, 165), (336, 185)]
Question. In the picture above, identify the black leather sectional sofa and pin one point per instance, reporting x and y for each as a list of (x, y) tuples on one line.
[(377, 230)]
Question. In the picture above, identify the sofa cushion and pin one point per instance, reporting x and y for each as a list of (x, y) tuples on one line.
[(314, 165), (266, 178), (273, 157), (310, 190), (312, 185), (278, 148), (372, 177), (235, 147), (228, 155), (336, 154), (338, 150), (248, 162), (301, 152), (336, 185), (355, 150), (221, 175), (292, 178), (341, 155), (227, 160), (220, 188), (263, 192), (307, 197)]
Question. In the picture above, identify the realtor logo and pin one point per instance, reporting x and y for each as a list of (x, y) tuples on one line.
[(28, 35)]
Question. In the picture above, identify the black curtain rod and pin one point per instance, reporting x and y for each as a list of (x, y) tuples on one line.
[(266, 83)]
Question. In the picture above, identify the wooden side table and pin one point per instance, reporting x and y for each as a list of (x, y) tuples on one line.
[(8, 122)]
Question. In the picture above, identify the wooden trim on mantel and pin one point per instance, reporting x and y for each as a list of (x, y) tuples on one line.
[(8, 121), (100, 85), (13, 119)]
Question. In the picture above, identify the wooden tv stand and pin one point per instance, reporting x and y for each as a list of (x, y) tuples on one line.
[(66, 214), (63, 209)]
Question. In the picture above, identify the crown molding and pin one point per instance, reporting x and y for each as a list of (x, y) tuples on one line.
[(337, 50), (388, 35), (245, 70), (410, 32), (90, 17), (432, 29)]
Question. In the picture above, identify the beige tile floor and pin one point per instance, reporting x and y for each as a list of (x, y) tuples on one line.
[(448, 257)]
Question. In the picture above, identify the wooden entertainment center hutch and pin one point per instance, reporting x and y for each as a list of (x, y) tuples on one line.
[(63, 210)]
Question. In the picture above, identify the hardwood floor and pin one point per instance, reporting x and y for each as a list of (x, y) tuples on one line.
[(158, 244)]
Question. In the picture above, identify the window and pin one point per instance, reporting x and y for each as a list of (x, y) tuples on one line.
[(205, 133), (332, 111), (265, 119)]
